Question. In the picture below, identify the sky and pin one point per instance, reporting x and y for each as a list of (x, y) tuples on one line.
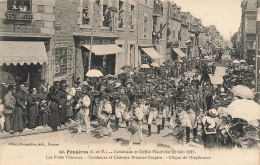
[(225, 14)]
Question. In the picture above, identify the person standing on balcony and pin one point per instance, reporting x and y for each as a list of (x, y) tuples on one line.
[(23, 7)]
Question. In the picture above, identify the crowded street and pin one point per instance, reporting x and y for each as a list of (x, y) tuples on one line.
[(118, 137), (140, 81)]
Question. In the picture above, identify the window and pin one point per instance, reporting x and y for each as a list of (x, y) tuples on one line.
[(20, 5), (132, 17), (132, 56), (120, 14), (145, 26), (106, 15), (85, 13)]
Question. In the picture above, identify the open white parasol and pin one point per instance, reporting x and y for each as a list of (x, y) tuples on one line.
[(154, 64), (145, 66), (94, 73), (244, 109), (242, 91)]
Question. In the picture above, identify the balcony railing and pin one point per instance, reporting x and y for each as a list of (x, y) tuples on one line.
[(18, 16)]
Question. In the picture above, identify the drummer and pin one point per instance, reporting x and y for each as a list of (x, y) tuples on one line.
[(155, 109), (104, 113), (137, 123)]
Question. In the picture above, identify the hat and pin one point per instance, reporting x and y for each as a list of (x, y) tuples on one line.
[(10, 87), (209, 121), (108, 90), (117, 84), (213, 112), (85, 83), (43, 101), (129, 81), (77, 81), (63, 82)]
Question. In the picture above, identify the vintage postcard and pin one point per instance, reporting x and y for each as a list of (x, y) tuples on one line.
[(130, 82)]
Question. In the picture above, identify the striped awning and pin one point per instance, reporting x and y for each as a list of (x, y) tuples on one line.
[(21, 52), (152, 53), (100, 50), (179, 52)]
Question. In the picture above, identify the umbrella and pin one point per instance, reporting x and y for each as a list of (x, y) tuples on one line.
[(6, 78), (127, 68), (180, 61), (154, 64), (242, 91), (236, 62), (145, 66), (244, 109), (94, 73), (242, 61)]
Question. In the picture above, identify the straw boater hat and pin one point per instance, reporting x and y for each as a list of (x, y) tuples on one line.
[(213, 112), (209, 121)]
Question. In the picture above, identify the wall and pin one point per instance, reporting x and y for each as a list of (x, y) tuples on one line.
[(66, 23)]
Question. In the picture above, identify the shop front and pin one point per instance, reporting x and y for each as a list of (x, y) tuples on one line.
[(24, 60), (103, 54), (149, 55), (178, 54)]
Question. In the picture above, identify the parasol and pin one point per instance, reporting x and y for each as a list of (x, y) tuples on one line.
[(244, 109), (94, 73), (6, 78), (127, 68), (180, 61), (154, 64), (242, 91), (236, 62), (145, 66), (242, 61)]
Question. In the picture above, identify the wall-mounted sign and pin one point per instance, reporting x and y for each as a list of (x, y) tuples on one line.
[(61, 58)]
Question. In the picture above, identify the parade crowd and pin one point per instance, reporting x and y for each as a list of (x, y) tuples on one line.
[(190, 108)]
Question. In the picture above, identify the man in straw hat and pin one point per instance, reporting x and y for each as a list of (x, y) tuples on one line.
[(209, 133)]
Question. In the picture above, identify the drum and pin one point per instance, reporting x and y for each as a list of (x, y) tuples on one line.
[(133, 128), (103, 119), (80, 114)]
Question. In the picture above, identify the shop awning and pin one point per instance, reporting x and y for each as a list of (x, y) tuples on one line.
[(179, 52), (100, 50), (21, 52), (152, 53)]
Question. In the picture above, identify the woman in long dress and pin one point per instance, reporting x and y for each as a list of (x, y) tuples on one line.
[(54, 118), (32, 109), (63, 100)]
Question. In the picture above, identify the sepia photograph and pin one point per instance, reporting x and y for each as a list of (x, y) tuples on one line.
[(130, 82)]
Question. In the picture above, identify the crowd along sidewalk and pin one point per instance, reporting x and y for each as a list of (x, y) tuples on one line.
[(41, 129)]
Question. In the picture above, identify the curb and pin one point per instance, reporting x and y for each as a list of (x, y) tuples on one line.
[(37, 130)]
